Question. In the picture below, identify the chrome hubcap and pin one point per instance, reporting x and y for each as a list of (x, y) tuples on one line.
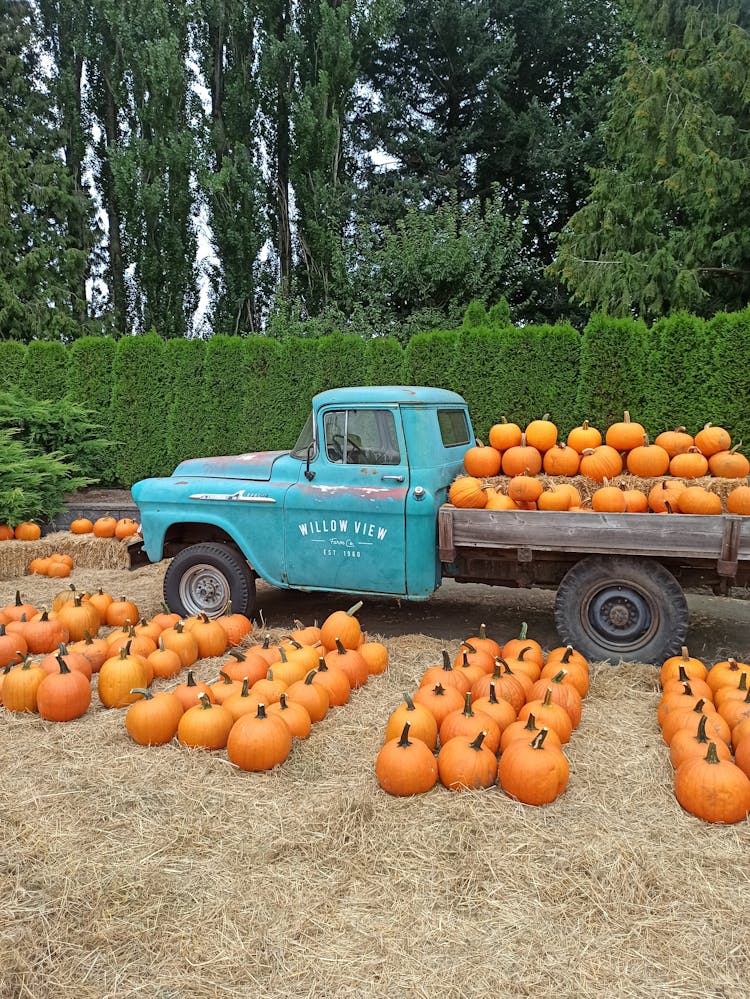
[(204, 590)]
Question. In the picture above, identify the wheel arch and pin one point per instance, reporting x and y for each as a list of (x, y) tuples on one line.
[(183, 534)]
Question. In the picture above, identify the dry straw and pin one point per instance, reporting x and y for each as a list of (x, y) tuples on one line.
[(134, 872), (88, 552)]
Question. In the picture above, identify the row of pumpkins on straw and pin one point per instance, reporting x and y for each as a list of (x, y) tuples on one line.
[(703, 714), (265, 695), (510, 700), (103, 527), (625, 448)]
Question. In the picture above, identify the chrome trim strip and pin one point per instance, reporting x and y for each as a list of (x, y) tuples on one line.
[(238, 497)]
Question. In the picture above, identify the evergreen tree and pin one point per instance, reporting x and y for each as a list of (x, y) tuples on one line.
[(667, 223), (142, 91), (40, 267), (232, 178)]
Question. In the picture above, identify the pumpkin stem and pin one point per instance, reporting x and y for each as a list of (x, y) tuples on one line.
[(205, 702), (547, 697), (190, 682), (409, 703), (559, 677), (282, 702), (447, 664), (538, 741), (225, 676), (245, 687), (711, 756), (404, 740), (742, 685), (340, 648), (531, 723), (477, 743), (63, 665), (523, 632), (492, 696), (700, 735), (261, 711), (310, 676), (125, 650), (468, 647), (237, 655), (567, 654), (467, 712), (356, 607), (483, 630), (142, 690), (282, 654)]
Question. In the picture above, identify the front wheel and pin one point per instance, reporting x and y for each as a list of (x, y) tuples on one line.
[(621, 608), (204, 578)]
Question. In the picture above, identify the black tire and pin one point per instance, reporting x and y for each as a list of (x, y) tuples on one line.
[(621, 608), (205, 577)]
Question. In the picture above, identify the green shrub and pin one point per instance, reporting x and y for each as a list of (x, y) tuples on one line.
[(675, 375), (479, 374), (186, 416), (57, 426), (33, 485), (269, 425), (340, 361), (384, 361), (229, 410), (12, 363), (728, 382), (430, 359), (140, 396), (613, 353), (45, 371), (89, 384)]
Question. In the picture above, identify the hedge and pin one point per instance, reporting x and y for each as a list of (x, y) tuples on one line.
[(165, 401)]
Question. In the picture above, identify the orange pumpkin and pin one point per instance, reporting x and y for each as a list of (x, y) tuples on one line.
[(27, 531), (584, 437), (689, 464), (81, 525), (712, 439), (505, 435), (467, 492), (126, 527), (105, 527), (481, 461), (600, 462), (729, 464), (541, 434), (675, 441), (625, 435), (561, 459), (522, 459)]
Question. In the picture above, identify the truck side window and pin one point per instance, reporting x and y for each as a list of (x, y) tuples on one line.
[(454, 428), (361, 437)]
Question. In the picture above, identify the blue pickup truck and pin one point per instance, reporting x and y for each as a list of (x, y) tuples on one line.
[(359, 506)]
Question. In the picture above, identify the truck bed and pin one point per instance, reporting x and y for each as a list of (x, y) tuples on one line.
[(522, 548)]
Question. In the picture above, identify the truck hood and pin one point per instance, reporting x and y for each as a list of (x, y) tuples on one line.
[(256, 465)]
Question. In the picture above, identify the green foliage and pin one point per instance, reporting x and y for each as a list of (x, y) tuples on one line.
[(676, 375), (667, 223), (478, 374), (139, 408), (57, 426), (729, 375), (300, 374), (426, 270), (475, 315), (45, 373), (270, 427), (33, 485), (12, 362), (229, 409), (41, 270), (430, 359), (499, 314), (89, 373), (613, 356), (554, 360), (341, 361), (187, 421), (384, 363)]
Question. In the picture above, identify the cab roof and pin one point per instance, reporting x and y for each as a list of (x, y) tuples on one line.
[(401, 395)]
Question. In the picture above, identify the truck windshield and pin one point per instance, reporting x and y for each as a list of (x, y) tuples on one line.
[(304, 440)]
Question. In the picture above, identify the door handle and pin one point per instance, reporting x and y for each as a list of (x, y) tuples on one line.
[(391, 478)]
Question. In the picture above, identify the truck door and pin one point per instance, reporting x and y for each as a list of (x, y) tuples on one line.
[(345, 525)]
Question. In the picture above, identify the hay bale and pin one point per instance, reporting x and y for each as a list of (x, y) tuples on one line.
[(87, 552)]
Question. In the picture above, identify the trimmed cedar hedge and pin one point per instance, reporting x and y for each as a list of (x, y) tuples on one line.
[(166, 401)]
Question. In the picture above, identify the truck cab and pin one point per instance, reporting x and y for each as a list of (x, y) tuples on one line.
[(351, 508)]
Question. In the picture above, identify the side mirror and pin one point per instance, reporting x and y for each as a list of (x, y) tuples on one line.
[(310, 452)]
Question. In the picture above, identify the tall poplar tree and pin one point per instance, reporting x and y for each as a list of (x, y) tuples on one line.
[(40, 266), (667, 222), (143, 93), (231, 176)]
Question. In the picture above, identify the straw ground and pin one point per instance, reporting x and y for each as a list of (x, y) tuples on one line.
[(163, 872)]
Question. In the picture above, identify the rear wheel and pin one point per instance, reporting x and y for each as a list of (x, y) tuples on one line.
[(621, 608), (204, 578)]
